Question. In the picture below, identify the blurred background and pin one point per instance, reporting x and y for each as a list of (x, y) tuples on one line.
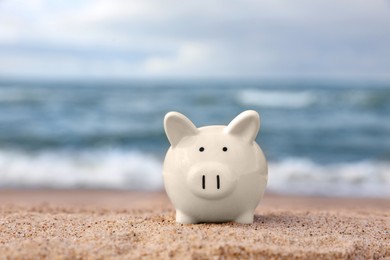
[(84, 87)]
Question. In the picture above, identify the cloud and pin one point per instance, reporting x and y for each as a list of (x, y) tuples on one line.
[(57, 65), (120, 38), (189, 57)]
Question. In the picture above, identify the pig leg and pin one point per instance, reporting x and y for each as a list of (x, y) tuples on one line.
[(184, 219), (245, 218)]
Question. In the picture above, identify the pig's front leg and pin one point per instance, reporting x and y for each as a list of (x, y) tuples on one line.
[(184, 219), (245, 218)]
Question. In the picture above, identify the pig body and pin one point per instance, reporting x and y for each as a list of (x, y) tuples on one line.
[(214, 173)]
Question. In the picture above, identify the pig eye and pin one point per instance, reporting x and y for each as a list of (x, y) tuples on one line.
[(224, 149), (201, 149)]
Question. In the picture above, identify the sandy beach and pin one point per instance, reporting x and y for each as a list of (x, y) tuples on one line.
[(132, 225)]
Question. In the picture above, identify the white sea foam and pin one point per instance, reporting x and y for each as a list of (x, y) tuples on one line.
[(111, 169), (133, 170), (273, 98), (301, 176)]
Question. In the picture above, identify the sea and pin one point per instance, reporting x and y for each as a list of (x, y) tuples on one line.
[(321, 137)]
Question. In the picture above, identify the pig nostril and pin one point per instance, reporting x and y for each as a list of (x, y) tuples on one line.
[(218, 185), (204, 182)]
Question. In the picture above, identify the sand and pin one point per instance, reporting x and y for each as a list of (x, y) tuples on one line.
[(135, 225)]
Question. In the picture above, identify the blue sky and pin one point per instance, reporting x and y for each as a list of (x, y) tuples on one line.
[(195, 39)]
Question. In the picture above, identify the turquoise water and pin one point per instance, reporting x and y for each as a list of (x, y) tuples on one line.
[(316, 135)]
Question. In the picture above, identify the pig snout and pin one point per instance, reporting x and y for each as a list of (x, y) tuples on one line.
[(211, 180)]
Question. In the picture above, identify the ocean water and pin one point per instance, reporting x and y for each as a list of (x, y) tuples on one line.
[(320, 137)]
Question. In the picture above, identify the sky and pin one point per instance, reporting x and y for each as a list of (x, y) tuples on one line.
[(195, 39)]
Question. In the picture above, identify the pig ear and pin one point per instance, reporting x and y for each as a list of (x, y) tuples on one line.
[(245, 125), (177, 126)]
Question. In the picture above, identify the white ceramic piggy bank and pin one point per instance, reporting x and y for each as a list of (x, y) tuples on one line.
[(214, 173)]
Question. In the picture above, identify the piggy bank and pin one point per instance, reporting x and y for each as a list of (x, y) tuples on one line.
[(214, 173)]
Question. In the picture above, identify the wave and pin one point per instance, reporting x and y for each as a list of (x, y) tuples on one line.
[(302, 176), (108, 169), (268, 98), (135, 170)]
